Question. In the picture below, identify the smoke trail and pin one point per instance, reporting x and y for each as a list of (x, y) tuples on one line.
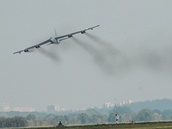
[(50, 54), (155, 60), (107, 58), (150, 58), (107, 46), (117, 59)]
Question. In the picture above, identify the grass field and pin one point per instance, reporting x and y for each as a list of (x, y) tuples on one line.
[(150, 125)]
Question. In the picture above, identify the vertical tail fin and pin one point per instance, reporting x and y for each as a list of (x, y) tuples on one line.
[(55, 32)]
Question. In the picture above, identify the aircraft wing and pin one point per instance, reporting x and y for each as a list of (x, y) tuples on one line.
[(55, 40), (34, 46), (18, 52), (77, 32)]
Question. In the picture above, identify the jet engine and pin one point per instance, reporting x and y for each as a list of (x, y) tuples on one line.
[(26, 50)]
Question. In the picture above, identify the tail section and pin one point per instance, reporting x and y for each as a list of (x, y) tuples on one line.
[(55, 32)]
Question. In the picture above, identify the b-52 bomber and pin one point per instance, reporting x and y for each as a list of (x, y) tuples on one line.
[(55, 40)]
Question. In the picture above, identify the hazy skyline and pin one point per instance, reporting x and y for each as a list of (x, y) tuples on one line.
[(128, 57)]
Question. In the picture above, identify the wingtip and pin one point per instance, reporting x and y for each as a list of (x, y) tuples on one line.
[(15, 52), (96, 26), (91, 28), (18, 52)]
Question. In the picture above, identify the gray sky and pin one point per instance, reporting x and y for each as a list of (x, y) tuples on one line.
[(128, 57)]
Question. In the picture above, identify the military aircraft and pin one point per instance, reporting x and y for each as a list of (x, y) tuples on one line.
[(55, 40)]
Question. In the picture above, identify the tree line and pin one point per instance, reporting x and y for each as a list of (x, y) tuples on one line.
[(13, 122), (89, 116)]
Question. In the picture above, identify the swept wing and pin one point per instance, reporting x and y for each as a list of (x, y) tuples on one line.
[(55, 40)]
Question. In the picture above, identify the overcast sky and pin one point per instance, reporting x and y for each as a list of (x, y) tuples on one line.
[(128, 57)]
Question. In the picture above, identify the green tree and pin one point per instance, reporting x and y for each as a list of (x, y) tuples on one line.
[(84, 118), (13, 122), (31, 119), (111, 117), (2, 122), (144, 115)]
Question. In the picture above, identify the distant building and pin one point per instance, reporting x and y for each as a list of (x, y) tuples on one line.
[(23, 109), (51, 108), (54, 108), (108, 105), (5, 107), (127, 102)]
